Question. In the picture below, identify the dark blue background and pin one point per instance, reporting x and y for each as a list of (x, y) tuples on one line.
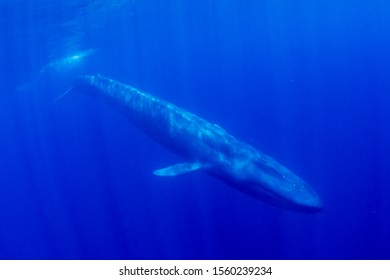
[(306, 82)]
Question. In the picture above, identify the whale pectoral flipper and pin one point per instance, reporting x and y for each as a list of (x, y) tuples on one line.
[(178, 169)]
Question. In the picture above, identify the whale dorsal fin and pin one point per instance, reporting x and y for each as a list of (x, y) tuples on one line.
[(178, 169)]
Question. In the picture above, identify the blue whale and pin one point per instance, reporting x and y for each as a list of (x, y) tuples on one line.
[(205, 146)]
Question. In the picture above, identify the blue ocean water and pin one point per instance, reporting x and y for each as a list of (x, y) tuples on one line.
[(306, 82)]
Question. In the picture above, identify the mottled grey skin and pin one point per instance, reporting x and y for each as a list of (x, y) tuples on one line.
[(205, 146)]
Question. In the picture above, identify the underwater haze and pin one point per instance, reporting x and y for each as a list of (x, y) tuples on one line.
[(305, 82)]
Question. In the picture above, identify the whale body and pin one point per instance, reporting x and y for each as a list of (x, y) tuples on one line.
[(205, 146)]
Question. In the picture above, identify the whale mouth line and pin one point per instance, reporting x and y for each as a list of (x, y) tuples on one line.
[(286, 202)]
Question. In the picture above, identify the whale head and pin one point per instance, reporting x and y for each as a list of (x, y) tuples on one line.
[(260, 176), (270, 181)]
